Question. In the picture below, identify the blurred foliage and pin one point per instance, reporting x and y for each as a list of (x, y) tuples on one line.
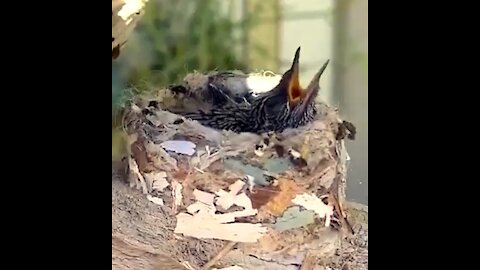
[(177, 37)]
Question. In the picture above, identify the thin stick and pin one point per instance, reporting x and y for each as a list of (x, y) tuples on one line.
[(229, 246)]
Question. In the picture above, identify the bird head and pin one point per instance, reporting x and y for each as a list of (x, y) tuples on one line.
[(289, 104), (291, 81), (308, 96), (290, 84)]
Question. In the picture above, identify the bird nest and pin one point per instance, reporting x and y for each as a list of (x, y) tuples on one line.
[(276, 198)]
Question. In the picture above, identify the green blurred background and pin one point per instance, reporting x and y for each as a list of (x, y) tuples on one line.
[(177, 37)]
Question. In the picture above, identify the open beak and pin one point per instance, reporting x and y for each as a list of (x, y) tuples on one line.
[(314, 87), (294, 89)]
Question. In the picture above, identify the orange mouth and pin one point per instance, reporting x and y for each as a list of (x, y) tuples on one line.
[(295, 91)]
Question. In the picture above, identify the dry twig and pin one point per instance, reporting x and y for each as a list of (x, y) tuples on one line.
[(229, 246)]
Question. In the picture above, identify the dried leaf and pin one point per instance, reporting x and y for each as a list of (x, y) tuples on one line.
[(211, 225), (278, 204), (230, 217), (155, 200), (324, 174), (243, 201), (139, 153), (275, 166), (204, 197), (198, 207), (246, 169), (261, 196), (177, 193), (156, 181), (164, 160), (205, 158), (206, 226), (327, 178), (294, 218), (204, 205), (181, 147), (312, 202), (138, 180), (227, 199)]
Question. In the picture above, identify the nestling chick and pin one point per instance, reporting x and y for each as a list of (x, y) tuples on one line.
[(287, 105)]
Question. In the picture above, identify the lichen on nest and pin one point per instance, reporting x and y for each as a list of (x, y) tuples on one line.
[(172, 159)]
